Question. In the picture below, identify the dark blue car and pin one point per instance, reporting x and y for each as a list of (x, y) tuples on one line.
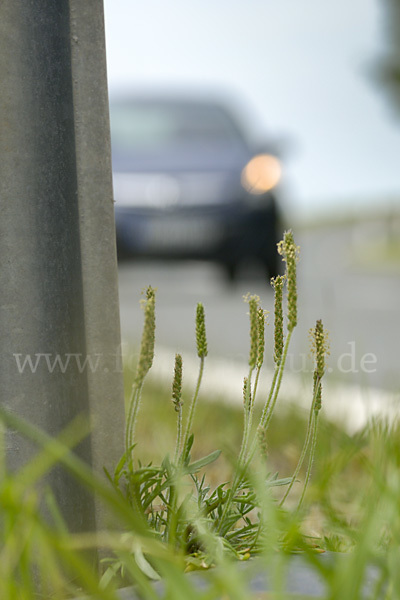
[(188, 184)]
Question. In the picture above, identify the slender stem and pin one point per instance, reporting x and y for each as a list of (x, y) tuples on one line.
[(272, 398), (310, 428), (171, 524), (248, 417), (271, 392), (241, 464), (178, 434), (190, 418), (311, 459), (264, 421), (170, 530), (256, 384), (270, 405), (251, 402), (131, 417)]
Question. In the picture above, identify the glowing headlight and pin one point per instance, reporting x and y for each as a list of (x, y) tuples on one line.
[(261, 174)]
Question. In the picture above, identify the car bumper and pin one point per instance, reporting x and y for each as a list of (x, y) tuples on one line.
[(222, 233)]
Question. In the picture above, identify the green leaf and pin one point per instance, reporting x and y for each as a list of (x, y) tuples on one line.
[(110, 574), (108, 475), (202, 462), (118, 468), (144, 565), (188, 448), (278, 482), (166, 464)]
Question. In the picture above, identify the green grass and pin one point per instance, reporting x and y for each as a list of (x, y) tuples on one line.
[(339, 461), (353, 499), (352, 505), (352, 502), (182, 506)]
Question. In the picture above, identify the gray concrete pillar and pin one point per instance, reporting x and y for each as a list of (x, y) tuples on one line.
[(60, 338)]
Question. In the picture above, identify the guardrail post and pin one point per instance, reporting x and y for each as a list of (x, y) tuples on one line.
[(60, 339)]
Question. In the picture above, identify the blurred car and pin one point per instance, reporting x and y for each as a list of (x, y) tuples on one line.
[(189, 185)]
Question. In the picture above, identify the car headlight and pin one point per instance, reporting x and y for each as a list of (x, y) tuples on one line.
[(261, 174)]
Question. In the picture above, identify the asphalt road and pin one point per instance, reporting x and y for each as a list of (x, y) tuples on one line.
[(359, 305)]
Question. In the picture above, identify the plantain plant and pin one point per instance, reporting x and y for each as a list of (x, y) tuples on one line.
[(173, 499)]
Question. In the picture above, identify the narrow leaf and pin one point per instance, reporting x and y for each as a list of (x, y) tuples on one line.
[(202, 462)]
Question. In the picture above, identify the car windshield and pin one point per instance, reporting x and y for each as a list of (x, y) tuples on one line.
[(155, 126)]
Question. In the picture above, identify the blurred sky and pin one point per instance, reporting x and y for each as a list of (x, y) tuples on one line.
[(303, 66)]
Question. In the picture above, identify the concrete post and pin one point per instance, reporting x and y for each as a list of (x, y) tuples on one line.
[(60, 338)]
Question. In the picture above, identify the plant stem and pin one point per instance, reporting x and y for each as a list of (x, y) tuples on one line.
[(248, 417), (256, 384), (241, 464), (172, 522), (178, 434), (275, 386), (310, 429), (192, 408), (311, 459), (133, 408), (271, 400)]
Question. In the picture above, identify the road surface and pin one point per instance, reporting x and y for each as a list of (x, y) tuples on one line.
[(359, 306)]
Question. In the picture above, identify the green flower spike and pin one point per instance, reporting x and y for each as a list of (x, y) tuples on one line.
[(145, 362), (201, 339), (177, 400), (262, 441), (290, 254), (148, 336), (320, 349), (246, 394), (254, 328), (277, 284), (261, 315), (177, 383)]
